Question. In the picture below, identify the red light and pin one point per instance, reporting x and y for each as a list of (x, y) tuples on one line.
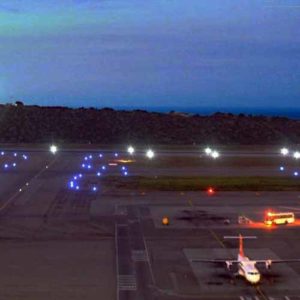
[(210, 191)]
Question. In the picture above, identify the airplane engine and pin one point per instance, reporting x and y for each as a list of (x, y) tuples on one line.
[(228, 265), (268, 264)]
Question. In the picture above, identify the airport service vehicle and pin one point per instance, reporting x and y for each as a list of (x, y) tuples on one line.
[(279, 218), (246, 266)]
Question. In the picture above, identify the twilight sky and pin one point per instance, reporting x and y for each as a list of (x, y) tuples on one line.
[(220, 53)]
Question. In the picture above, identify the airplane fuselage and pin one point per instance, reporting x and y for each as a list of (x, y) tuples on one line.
[(248, 270)]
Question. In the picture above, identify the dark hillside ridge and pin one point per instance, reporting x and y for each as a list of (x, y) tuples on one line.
[(34, 124)]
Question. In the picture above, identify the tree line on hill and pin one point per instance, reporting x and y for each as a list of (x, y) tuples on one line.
[(35, 124)]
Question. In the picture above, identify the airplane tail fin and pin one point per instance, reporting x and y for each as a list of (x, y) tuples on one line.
[(241, 244)]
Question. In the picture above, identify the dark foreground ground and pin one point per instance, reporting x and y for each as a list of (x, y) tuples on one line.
[(60, 243)]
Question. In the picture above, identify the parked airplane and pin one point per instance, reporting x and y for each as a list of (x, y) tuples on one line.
[(246, 267)]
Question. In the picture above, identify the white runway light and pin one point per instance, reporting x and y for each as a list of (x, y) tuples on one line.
[(150, 154), (284, 151), (130, 150), (215, 154), (207, 151), (296, 155), (53, 149)]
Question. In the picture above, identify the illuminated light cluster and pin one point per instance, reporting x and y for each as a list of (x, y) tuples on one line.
[(2, 153), (284, 151), (211, 152), (296, 154), (6, 166), (73, 184), (208, 150), (93, 162), (281, 168), (296, 173), (130, 150), (150, 153), (53, 149)]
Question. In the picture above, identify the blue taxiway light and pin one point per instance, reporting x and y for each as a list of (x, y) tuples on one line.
[(14, 164), (103, 168), (281, 168), (91, 156), (2, 153), (77, 187), (89, 166), (123, 168), (296, 173), (80, 175), (116, 154), (75, 177), (100, 155), (98, 174), (125, 173), (71, 184), (6, 166), (83, 165), (94, 189), (15, 154), (86, 158)]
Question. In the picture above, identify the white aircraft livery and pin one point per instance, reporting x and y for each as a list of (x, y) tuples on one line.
[(246, 267)]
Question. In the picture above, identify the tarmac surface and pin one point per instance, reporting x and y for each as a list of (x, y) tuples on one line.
[(61, 242)]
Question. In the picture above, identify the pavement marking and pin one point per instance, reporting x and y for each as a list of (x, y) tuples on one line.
[(261, 293), (149, 262), (217, 238), (4, 205), (127, 283), (139, 255), (117, 258)]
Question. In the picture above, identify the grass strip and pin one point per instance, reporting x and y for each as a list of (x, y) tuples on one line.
[(197, 183)]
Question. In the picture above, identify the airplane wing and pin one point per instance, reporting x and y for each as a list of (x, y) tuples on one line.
[(276, 261), (227, 262)]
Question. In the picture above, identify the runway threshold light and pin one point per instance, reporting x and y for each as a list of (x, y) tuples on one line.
[(53, 149), (284, 151), (130, 150), (150, 154)]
